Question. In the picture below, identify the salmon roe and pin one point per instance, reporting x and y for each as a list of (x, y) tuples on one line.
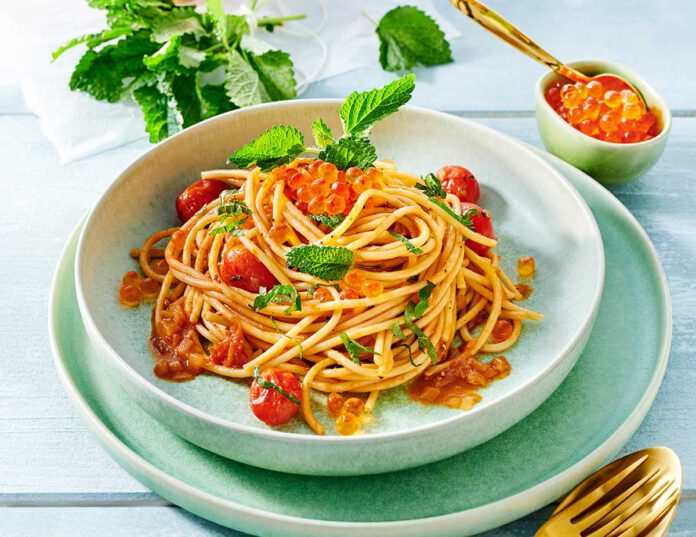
[(356, 281), (133, 289), (604, 109), (526, 267), (347, 412), (321, 188)]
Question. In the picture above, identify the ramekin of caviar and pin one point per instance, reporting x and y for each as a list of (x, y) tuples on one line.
[(601, 127)]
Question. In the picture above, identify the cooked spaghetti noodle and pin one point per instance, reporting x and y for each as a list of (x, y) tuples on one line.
[(470, 292)]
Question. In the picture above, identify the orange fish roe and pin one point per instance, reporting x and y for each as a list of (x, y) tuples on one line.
[(526, 267), (334, 402), (320, 188), (347, 412), (604, 109), (323, 294), (502, 330), (129, 295), (130, 278), (149, 288)]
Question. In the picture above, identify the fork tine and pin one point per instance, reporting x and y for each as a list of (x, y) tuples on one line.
[(600, 521), (617, 521), (593, 489), (650, 516)]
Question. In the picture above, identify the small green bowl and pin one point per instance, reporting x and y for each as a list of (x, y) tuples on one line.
[(608, 163)]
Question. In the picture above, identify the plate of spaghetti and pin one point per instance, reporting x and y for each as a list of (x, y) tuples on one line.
[(403, 287)]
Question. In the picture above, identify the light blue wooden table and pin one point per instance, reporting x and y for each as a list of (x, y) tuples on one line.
[(54, 478)]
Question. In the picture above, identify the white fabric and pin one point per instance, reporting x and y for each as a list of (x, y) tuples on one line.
[(336, 37)]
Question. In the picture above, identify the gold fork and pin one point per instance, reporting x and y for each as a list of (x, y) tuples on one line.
[(635, 496)]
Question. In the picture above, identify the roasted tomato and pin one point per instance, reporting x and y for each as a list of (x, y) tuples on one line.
[(231, 351), (483, 224), (269, 404), (460, 182), (196, 195), (241, 269)]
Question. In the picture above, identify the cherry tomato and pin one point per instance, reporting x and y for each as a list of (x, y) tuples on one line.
[(241, 269), (271, 406), (196, 195), (483, 224), (460, 182)]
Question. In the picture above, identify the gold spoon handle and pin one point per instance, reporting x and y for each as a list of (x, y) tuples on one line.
[(497, 25)]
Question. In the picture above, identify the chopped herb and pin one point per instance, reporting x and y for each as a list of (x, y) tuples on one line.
[(409, 245), (331, 221), (330, 263), (311, 289), (424, 342), (279, 294), (296, 341), (410, 354), (423, 296), (354, 348), (230, 214), (408, 37), (396, 330), (432, 186), (273, 386), (464, 219)]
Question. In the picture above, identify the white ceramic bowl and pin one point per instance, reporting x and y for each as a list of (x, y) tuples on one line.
[(535, 210)]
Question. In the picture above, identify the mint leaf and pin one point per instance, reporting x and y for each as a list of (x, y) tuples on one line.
[(94, 40), (432, 186), (275, 70), (423, 296), (175, 57), (396, 330), (216, 11), (331, 221), (243, 84), (278, 145), (349, 152), (101, 73), (354, 348), (409, 37), (279, 294), (233, 214), (361, 111), (409, 245), (269, 385), (330, 263), (155, 107), (177, 22), (214, 100), (464, 219), (187, 105), (424, 342), (322, 133)]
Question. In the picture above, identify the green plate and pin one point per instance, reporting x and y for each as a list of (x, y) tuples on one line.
[(584, 423)]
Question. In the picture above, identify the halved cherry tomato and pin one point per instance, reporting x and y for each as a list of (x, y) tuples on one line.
[(196, 195), (271, 406), (460, 182), (483, 224), (241, 269)]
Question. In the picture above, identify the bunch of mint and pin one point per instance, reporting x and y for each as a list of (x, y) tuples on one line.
[(179, 65)]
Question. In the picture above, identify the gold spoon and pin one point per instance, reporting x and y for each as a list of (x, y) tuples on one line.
[(635, 496), (497, 25)]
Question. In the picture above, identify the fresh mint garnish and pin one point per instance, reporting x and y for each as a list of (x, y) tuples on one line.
[(354, 348), (279, 294), (409, 245), (409, 37), (465, 219), (424, 342), (423, 296), (233, 214), (331, 221), (431, 186), (277, 146), (322, 133), (349, 152), (330, 263)]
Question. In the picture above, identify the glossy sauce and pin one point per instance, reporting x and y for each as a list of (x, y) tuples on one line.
[(457, 385)]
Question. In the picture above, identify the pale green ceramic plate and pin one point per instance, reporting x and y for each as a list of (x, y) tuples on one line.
[(584, 423)]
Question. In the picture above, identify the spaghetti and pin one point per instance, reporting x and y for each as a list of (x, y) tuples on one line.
[(408, 250)]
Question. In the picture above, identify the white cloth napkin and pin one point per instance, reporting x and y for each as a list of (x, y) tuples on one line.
[(78, 125)]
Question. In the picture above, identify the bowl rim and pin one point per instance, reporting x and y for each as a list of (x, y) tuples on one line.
[(100, 341), (626, 72)]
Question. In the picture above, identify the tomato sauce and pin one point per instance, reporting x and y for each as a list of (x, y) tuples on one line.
[(457, 385)]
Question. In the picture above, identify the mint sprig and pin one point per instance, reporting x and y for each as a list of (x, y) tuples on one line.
[(409, 37), (280, 145), (354, 348), (278, 294), (330, 263), (159, 54)]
